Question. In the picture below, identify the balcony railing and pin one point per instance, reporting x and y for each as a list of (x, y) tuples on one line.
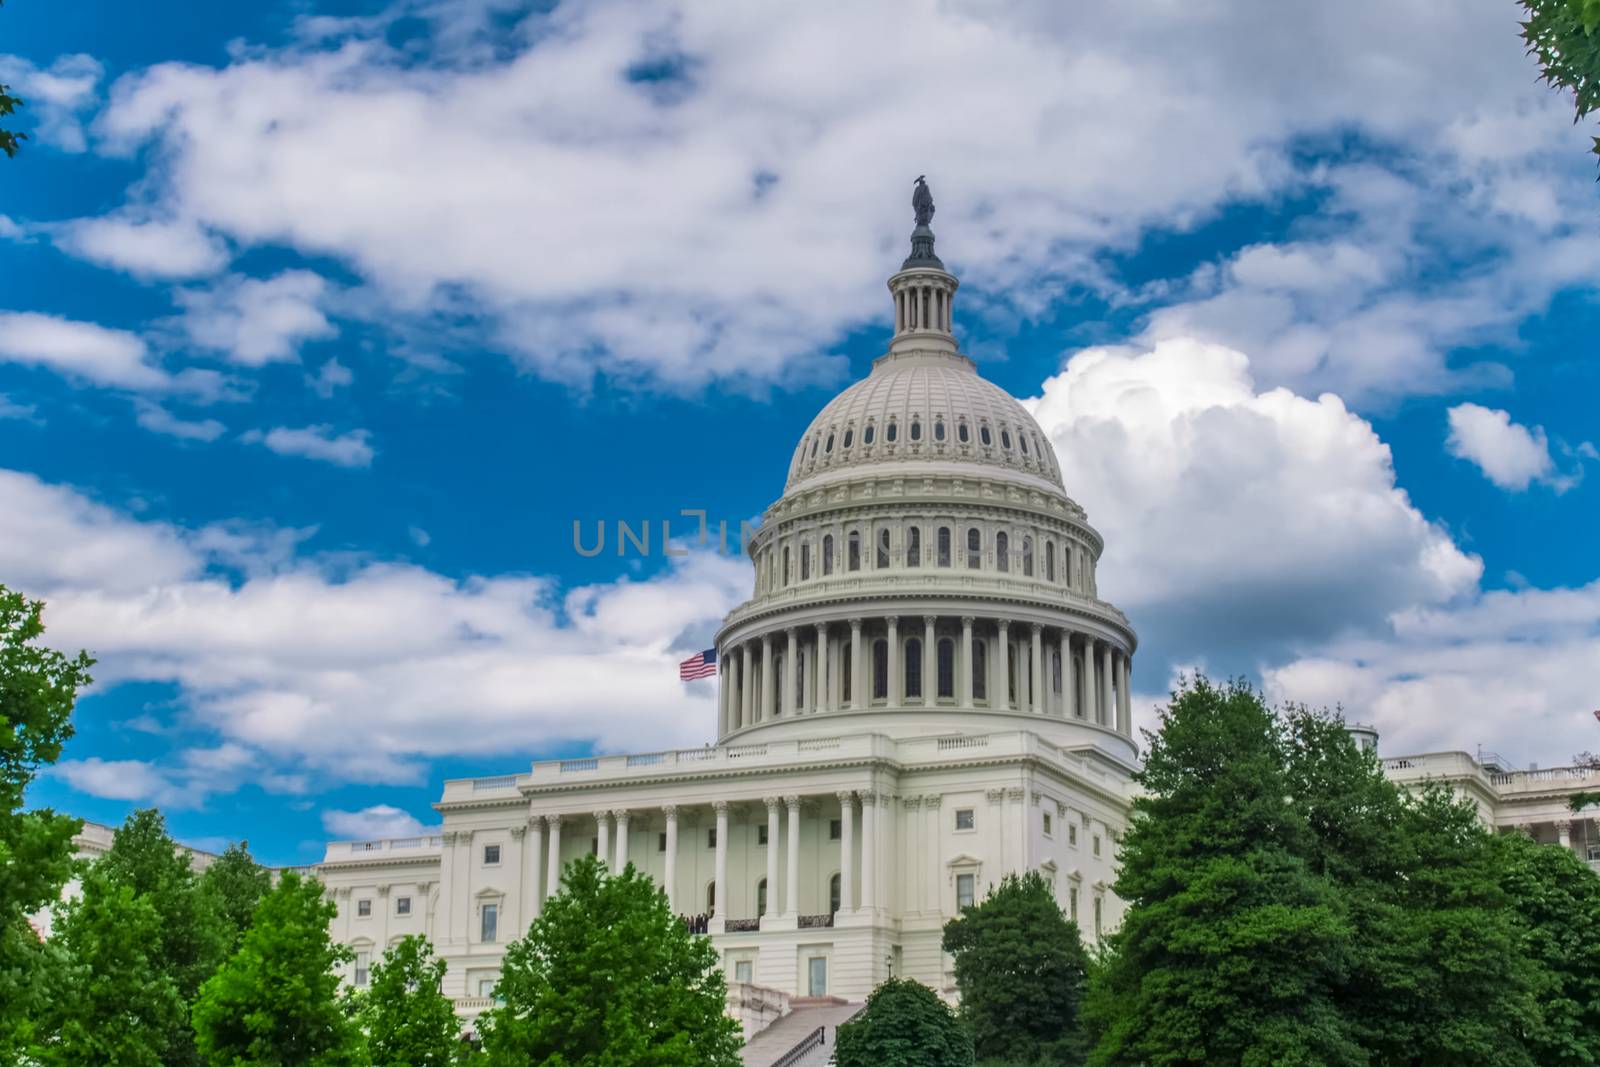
[(741, 926), (812, 922)]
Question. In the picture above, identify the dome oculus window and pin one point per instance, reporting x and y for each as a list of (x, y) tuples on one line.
[(983, 434), (916, 429), (963, 434), (815, 441), (1005, 440), (889, 434), (1021, 440), (938, 429), (849, 437), (829, 446), (868, 434)]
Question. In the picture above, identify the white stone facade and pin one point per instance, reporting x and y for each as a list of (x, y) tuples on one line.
[(923, 694)]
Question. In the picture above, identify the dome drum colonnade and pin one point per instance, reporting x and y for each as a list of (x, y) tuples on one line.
[(924, 555)]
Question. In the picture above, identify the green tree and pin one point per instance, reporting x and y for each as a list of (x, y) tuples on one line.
[(904, 1024), (8, 139), (275, 1002), (1565, 36), (1020, 966), (1558, 899), (233, 885), (109, 1002), (192, 939), (1232, 950), (38, 687), (608, 975), (409, 1022)]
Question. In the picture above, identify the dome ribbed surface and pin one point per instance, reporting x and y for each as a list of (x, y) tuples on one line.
[(915, 397)]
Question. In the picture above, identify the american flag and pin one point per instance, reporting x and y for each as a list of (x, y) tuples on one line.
[(699, 665)]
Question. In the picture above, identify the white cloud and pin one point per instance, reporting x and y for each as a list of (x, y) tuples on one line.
[(1509, 454), (361, 670), (1239, 523), (378, 821), (158, 419), (55, 95), (127, 779), (694, 227), (172, 248), (81, 350), (330, 378), (352, 448), (258, 320), (184, 780), (11, 409)]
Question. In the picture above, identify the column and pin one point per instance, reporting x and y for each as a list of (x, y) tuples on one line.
[(1124, 698), (553, 873), (857, 700), (602, 819), (723, 673), (1090, 694), (791, 888), (894, 695), (1067, 694), (765, 711), (847, 851), (535, 854), (1108, 715), (997, 820), (1036, 673), (791, 671), (621, 815), (746, 687), (930, 663), (935, 873), (1000, 692), (671, 876), (819, 696), (772, 857), (719, 894), (966, 661), (1564, 833), (869, 849)]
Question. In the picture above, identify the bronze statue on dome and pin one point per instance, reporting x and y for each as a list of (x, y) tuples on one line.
[(922, 201)]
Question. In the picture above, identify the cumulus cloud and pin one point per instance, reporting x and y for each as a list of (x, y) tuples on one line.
[(378, 821), (361, 671), (185, 780), (352, 448), (81, 350), (56, 97), (157, 419), (1238, 522), (254, 321), (330, 378), (656, 196), (1510, 455), (159, 248)]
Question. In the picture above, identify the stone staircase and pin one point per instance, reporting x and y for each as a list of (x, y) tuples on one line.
[(806, 1016)]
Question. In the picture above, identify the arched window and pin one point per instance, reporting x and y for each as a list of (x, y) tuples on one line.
[(889, 433), (711, 897), (833, 892), (815, 441), (962, 433), (913, 671), (1002, 553), (880, 669), (827, 555), (882, 562), (916, 429), (829, 446), (849, 436), (845, 672), (1022, 439), (974, 549), (1005, 439), (785, 564), (947, 667), (983, 434), (761, 897), (938, 429), (1055, 670), (980, 669), (805, 561), (868, 434), (944, 546), (854, 551), (1027, 556), (801, 662), (1050, 561), (913, 547)]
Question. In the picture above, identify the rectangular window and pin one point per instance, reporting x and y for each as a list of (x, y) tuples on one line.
[(486, 987), (489, 923), (1048, 824), (1072, 835), (944, 546), (805, 562), (362, 959), (363, 908), (761, 835), (1097, 844), (835, 829), (491, 855), (817, 976), (964, 819), (711, 837), (964, 888), (402, 906), (744, 971), (1099, 912), (1074, 900), (661, 841), (594, 846), (854, 560)]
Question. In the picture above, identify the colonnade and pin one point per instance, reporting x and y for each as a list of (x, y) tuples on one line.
[(922, 307), (894, 662)]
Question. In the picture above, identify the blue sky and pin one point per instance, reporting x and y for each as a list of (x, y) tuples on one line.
[(322, 324)]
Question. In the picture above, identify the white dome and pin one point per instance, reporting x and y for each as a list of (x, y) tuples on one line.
[(917, 410)]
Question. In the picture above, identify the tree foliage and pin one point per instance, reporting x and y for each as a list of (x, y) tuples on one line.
[(275, 1002), (38, 688), (1020, 967), (408, 1021), (232, 886), (608, 975), (1565, 36), (904, 1024), (8, 138)]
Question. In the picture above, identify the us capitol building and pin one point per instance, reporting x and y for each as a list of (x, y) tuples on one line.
[(924, 693)]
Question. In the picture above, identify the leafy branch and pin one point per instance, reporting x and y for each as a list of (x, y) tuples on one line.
[(1563, 35)]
